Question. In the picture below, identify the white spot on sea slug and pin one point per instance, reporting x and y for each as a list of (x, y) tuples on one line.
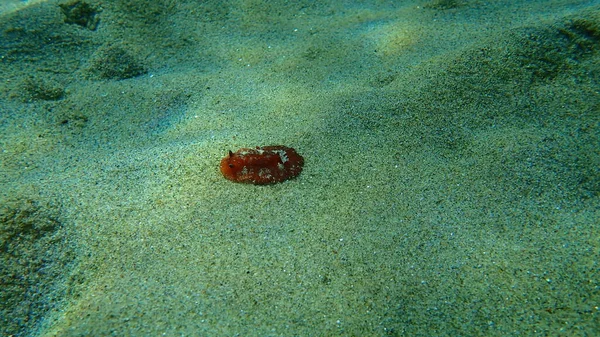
[(283, 156)]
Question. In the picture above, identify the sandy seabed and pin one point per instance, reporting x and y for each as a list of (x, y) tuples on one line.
[(451, 184)]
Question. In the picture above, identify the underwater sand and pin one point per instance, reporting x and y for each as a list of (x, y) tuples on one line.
[(451, 184)]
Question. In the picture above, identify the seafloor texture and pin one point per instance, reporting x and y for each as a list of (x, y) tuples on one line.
[(451, 184)]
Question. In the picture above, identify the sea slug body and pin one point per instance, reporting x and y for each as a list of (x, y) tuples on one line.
[(262, 165)]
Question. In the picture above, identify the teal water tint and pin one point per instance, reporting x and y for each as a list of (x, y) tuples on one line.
[(451, 182)]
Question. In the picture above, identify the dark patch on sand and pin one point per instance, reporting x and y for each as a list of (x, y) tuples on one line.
[(36, 256), (115, 62), (37, 87), (81, 13), (37, 38)]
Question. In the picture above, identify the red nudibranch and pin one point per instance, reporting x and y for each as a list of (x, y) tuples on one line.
[(262, 165)]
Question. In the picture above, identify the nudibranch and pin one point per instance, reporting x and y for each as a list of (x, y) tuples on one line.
[(262, 165)]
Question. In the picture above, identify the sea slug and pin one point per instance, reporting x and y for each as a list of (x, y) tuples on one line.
[(262, 165)]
